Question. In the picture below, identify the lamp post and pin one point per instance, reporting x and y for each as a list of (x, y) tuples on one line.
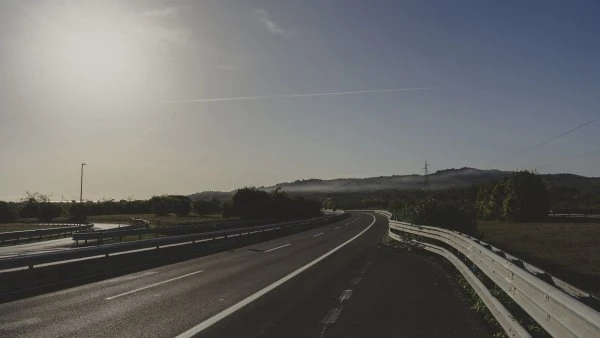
[(81, 186)]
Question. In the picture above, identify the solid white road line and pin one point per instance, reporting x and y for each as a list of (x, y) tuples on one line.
[(319, 234), (228, 311), (279, 247), (153, 285)]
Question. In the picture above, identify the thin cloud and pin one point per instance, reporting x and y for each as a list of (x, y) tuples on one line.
[(146, 132), (161, 26), (268, 97), (227, 67), (161, 13), (270, 25)]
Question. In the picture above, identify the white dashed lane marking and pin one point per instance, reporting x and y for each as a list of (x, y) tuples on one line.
[(345, 295), (332, 316), (279, 247), (153, 285)]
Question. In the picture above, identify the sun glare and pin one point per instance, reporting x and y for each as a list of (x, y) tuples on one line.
[(91, 51)]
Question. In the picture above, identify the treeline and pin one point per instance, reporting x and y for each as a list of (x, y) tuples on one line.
[(252, 203), (36, 206), (521, 197), (183, 205), (566, 200), (247, 203)]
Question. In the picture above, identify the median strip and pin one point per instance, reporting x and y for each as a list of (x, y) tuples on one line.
[(153, 285)]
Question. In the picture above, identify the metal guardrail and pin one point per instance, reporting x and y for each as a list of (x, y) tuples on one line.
[(105, 250), (15, 236), (141, 229), (556, 311)]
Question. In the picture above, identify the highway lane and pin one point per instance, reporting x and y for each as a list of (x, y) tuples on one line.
[(49, 245), (170, 300), (368, 290)]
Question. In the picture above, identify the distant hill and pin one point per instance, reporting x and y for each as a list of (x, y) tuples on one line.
[(209, 195), (442, 179)]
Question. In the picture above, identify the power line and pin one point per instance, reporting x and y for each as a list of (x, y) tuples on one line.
[(550, 139), (570, 158), (426, 171)]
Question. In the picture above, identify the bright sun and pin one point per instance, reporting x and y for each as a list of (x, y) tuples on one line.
[(92, 51)]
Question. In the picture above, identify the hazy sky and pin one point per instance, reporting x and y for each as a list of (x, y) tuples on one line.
[(129, 87)]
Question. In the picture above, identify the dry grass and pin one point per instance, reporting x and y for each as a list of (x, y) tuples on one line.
[(192, 218), (568, 250), (154, 219), (7, 227)]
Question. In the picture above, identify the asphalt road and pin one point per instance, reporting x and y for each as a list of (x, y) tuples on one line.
[(49, 245), (283, 287)]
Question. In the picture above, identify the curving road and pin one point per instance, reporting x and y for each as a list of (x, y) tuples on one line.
[(283, 287)]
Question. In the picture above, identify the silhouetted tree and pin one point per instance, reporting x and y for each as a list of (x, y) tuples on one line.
[(251, 203), (181, 205), (203, 207), (78, 211), (526, 198), (7, 212), (160, 205)]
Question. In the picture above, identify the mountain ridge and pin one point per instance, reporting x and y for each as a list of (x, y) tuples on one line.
[(441, 179)]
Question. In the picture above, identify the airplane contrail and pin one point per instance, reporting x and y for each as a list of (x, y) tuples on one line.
[(266, 97)]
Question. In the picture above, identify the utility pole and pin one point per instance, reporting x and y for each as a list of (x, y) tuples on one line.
[(426, 175), (81, 186)]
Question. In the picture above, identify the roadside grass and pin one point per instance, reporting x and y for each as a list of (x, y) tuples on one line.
[(568, 250), (8, 227), (155, 220)]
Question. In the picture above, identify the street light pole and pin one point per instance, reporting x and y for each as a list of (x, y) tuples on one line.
[(81, 186)]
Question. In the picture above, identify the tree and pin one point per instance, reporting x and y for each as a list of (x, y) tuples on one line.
[(160, 205), (526, 198), (7, 212), (226, 209), (181, 205), (204, 207), (78, 211), (251, 203), (255, 204), (37, 205), (49, 211)]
